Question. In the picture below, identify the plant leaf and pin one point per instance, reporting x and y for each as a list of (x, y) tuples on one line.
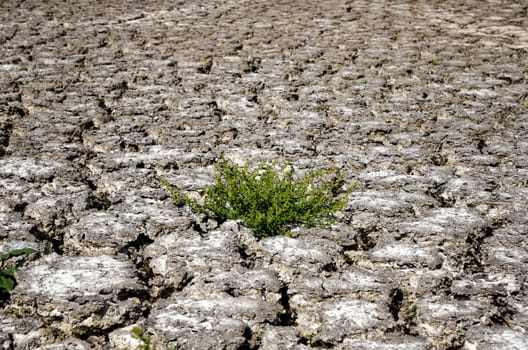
[(7, 284), (8, 272), (17, 252)]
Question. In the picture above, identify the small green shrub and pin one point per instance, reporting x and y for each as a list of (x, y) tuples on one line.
[(7, 274), (145, 339), (269, 200)]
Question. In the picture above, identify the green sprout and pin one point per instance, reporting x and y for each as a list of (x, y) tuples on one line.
[(145, 339), (7, 274)]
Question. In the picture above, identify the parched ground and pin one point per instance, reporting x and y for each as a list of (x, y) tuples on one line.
[(424, 102)]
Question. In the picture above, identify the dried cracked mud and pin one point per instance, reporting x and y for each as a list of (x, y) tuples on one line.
[(424, 102)]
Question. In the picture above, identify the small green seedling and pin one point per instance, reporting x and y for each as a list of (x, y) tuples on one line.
[(269, 199), (145, 339), (7, 274)]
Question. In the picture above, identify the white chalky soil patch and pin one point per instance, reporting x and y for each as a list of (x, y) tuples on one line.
[(438, 309), (291, 250), (496, 338), (69, 277), (396, 343), (445, 220), (333, 321), (30, 168), (100, 230), (357, 313)]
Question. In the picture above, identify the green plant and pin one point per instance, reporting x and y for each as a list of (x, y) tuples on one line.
[(145, 339), (7, 274), (410, 317), (269, 199)]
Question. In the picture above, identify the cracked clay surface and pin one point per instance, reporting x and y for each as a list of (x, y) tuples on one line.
[(424, 102)]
